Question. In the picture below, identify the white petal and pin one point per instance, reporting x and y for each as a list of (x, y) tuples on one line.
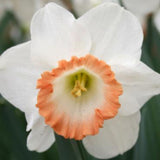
[(41, 137), (115, 32), (157, 20), (118, 135), (141, 6), (56, 35), (32, 116), (18, 79), (139, 84)]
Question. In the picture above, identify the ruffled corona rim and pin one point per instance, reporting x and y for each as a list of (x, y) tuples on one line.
[(76, 97)]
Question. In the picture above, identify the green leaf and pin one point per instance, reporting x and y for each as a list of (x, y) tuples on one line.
[(68, 149)]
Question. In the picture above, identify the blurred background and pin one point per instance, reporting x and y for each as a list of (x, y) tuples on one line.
[(15, 17)]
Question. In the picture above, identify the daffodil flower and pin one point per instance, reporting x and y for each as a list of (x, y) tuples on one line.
[(90, 81)]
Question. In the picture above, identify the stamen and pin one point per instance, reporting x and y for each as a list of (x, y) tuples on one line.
[(80, 85)]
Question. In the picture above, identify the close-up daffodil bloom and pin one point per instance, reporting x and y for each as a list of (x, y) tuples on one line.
[(81, 78)]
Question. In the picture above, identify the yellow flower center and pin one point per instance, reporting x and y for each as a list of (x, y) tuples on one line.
[(79, 85)]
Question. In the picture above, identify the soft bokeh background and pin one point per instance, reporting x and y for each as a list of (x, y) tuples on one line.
[(15, 16)]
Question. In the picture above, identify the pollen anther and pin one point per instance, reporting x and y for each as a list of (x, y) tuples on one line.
[(80, 85)]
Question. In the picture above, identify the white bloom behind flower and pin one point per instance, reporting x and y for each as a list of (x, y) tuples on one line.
[(82, 6), (91, 76), (157, 20), (141, 8)]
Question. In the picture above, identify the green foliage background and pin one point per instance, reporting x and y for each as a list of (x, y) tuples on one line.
[(13, 125)]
